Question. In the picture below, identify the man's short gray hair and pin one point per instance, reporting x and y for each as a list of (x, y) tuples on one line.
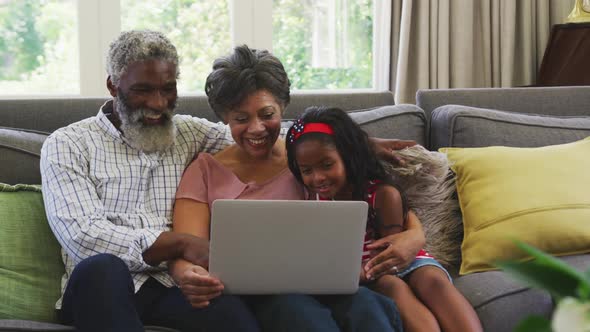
[(138, 45)]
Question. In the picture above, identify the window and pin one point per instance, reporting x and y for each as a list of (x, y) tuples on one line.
[(324, 44), (38, 47)]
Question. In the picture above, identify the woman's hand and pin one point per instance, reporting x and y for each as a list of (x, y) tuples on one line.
[(363, 276), (395, 252), (197, 285), (389, 256), (384, 147)]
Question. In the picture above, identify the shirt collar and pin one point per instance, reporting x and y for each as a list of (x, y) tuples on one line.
[(104, 123)]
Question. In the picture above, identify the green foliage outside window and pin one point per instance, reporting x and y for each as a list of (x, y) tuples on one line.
[(199, 29), (292, 43), (38, 46), (21, 44)]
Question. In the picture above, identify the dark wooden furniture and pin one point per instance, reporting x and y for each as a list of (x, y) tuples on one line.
[(567, 57)]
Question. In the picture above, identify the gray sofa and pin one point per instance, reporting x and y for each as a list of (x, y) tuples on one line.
[(518, 117), (460, 118)]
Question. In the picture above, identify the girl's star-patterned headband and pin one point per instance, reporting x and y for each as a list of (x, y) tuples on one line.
[(299, 128)]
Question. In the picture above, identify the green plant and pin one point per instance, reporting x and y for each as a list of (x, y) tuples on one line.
[(569, 287)]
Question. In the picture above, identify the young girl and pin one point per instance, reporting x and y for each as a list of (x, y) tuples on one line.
[(329, 153)]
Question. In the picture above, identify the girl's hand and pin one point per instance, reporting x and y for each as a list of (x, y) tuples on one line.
[(393, 253), (198, 286)]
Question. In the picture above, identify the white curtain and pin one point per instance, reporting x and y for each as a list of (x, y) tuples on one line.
[(469, 43)]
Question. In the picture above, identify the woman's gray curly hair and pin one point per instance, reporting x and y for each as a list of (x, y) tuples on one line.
[(138, 45)]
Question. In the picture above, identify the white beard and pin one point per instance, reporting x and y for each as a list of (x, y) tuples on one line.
[(146, 138)]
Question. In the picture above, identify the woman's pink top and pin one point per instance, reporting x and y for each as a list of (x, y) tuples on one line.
[(206, 180)]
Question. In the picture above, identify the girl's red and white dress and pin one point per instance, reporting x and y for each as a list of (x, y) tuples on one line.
[(423, 258)]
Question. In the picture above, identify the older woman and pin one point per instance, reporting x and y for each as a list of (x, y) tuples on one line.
[(249, 90)]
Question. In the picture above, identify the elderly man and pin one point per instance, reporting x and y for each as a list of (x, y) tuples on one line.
[(109, 184)]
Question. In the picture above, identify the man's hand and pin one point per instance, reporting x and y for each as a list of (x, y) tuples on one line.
[(384, 147), (196, 250), (198, 286)]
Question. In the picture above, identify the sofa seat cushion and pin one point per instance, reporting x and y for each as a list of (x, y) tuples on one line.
[(500, 302), (495, 294), (464, 126), (30, 262), (13, 325), (28, 325), (19, 155)]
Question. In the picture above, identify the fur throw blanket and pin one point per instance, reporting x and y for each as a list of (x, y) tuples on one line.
[(429, 185)]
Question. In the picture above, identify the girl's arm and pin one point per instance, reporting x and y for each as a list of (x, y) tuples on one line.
[(416, 239), (390, 211), (192, 217), (396, 249)]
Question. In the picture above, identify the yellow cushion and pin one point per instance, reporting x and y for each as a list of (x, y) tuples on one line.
[(538, 195)]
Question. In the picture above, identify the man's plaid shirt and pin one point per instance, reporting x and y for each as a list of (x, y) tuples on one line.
[(103, 196)]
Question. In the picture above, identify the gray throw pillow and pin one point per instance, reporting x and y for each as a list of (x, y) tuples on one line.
[(428, 183), (20, 151)]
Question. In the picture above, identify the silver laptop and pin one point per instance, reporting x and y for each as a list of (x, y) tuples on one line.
[(275, 246)]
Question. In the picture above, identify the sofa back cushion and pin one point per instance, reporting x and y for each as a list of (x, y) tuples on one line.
[(53, 113), (406, 122), (30, 262), (400, 121), (564, 101), (20, 149), (464, 126)]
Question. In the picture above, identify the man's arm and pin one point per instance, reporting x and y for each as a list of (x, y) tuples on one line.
[(172, 245), (218, 136), (211, 137), (76, 213)]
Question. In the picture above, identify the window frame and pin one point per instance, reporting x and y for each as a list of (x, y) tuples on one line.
[(99, 22)]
